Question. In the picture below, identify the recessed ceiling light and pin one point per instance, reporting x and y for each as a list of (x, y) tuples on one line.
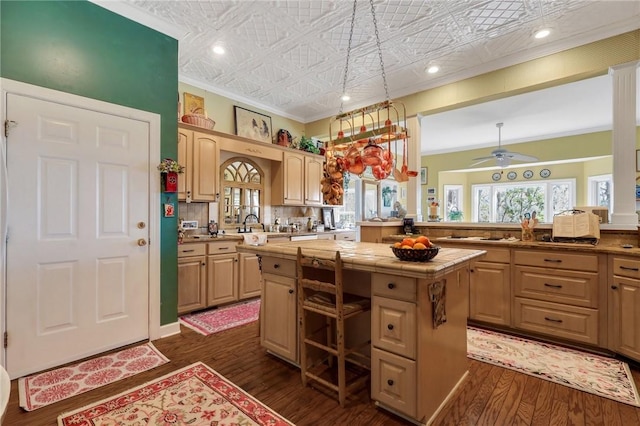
[(542, 33), (218, 50), (345, 98), (433, 69)]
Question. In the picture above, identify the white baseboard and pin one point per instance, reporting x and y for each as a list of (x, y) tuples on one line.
[(169, 329)]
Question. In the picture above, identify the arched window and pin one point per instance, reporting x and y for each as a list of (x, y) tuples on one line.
[(242, 183)]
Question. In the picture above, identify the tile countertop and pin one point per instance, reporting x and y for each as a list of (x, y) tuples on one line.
[(601, 247), (369, 257), (229, 236)]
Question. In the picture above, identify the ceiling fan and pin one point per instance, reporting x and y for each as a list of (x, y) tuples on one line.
[(501, 156)]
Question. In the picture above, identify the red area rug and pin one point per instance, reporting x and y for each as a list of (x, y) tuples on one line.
[(602, 376), (42, 389), (194, 395), (216, 320)]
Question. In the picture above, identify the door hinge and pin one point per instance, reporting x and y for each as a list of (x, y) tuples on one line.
[(8, 124), (6, 339)]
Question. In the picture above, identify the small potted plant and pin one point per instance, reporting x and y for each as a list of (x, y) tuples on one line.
[(169, 170)]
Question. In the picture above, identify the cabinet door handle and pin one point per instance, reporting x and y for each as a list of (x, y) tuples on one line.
[(276, 266), (390, 382), (390, 326), (614, 287), (290, 291), (203, 264), (553, 319), (223, 248), (188, 251), (553, 260), (391, 286), (626, 268), (552, 285)]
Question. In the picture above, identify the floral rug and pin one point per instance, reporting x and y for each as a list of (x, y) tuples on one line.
[(587, 372), (42, 389), (215, 320), (194, 395)]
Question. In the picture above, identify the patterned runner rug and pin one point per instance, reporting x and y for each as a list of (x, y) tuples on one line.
[(215, 320), (42, 389), (587, 372), (194, 395)]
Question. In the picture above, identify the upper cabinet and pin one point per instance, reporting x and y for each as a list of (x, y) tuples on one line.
[(296, 180), (197, 153)]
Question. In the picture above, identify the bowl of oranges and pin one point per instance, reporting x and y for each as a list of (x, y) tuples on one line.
[(418, 249)]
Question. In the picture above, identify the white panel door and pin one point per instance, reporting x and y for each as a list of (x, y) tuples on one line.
[(78, 214)]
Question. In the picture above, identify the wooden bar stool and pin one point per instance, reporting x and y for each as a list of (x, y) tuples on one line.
[(323, 308)]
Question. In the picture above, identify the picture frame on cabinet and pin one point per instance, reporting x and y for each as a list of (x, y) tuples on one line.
[(328, 218), (252, 125), (193, 104)]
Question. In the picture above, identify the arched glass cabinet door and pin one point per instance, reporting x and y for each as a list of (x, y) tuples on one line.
[(242, 183)]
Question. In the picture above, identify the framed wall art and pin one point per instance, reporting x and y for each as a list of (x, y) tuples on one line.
[(423, 175), (252, 125), (193, 104)]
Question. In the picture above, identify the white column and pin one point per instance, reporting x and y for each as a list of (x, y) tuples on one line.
[(414, 193), (624, 143)]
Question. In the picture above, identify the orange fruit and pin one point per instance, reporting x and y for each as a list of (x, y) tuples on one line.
[(424, 240), (408, 242), (419, 246), (407, 247), (397, 245)]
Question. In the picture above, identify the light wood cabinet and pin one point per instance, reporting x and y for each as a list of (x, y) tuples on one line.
[(222, 279), (197, 152), (345, 236), (557, 294), (192, 276), (490, 293), (624, 306), (249, 276), (296, 180), (278, 319)]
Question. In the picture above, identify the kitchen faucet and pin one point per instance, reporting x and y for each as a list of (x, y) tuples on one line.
[(245, 224)]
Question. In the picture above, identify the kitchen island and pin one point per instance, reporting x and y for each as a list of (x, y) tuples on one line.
[(417, 325)]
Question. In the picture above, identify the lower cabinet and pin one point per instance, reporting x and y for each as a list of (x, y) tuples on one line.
[(278, 319), (624, 309), (490, 291), (222, 279), (192, 289), (212, 274)]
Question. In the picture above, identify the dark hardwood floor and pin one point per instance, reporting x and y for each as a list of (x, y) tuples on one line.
[(490, 395)]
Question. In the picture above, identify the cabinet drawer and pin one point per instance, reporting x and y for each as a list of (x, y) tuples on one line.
[(346, 236), (394, 286), (626, 267), (325, 236), (563, 321), (393, 326), (498, 255), (221, 247), (570, 287), (393, 382), (273, 265), (185, 250), (556, 259)]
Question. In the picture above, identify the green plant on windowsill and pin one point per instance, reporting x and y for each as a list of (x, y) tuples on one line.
[(455, 215), (306, 144)]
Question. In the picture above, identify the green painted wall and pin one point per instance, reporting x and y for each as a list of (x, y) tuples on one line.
[(80, 48)]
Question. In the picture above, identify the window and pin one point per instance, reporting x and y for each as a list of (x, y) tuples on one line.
[(453, 203), (509, 202), (601, 191), (345, 215), (242, 188)]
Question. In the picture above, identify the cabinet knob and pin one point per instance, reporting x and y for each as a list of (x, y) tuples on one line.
[(203, 264), (390, 382), (290, 291), (276, 266), (391, 286), (614, 287), (390, 326)]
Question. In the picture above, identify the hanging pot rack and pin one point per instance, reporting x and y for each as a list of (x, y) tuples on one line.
[(354, 150)]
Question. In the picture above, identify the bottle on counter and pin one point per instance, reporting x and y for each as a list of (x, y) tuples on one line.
[(309, 225)]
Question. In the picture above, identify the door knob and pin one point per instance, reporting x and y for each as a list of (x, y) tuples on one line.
[(142, 242)]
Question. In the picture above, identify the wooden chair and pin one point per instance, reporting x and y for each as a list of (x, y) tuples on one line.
[(322, 339)]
